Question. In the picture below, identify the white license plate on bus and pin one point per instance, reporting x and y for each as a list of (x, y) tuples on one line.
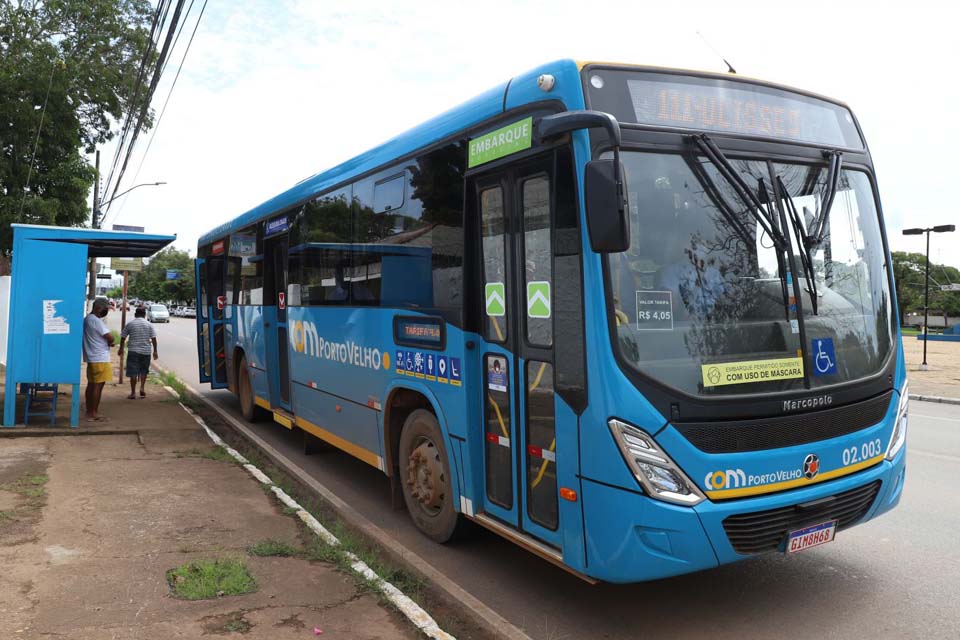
[(812, 536)]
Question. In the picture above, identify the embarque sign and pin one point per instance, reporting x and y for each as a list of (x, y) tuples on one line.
[(501, 142)]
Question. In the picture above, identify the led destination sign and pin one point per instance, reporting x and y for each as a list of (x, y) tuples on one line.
[(720, 105)]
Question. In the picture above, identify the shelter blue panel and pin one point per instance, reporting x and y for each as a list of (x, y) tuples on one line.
[(47, 313)]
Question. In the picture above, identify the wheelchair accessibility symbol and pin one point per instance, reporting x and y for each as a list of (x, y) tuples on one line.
[(824, 357)]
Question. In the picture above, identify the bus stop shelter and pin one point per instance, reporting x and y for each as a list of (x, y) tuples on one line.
[(47, 302)]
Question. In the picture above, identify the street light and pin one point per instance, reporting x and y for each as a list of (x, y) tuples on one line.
[(943, 228), (100, 205)]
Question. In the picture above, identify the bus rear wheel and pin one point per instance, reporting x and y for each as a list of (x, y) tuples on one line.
[(251, 412), (425, 477)]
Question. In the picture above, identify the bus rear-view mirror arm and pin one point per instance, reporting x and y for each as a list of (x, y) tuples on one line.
[(604, 188)]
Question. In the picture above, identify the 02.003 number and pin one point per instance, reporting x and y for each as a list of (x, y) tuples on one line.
[(853, 455)]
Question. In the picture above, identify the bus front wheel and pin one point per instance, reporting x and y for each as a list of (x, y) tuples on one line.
[(425, 477), (251, 412)]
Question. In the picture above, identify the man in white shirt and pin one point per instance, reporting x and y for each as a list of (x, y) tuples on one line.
[(141, 335), (97, 341)]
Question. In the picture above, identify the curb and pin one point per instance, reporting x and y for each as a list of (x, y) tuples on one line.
[(940, 399), (410, 609), (479, 613)]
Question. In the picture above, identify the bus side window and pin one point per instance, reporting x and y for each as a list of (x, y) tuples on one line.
[(319, 253)]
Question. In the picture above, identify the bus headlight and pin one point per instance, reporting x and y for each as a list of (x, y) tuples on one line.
[(659, 476), (899, 437)]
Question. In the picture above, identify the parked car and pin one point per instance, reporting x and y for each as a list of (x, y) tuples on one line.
[(177, 312), (189, 312), (158, 313)]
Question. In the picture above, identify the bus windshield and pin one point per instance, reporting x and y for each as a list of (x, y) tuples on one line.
[(704, 299)]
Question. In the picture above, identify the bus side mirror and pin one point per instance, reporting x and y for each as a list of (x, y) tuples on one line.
[(607, 207)]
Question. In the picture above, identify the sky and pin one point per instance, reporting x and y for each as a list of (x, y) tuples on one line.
[(273, 91)]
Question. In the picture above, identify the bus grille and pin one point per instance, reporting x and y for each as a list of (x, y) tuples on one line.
[(785, 431), (766, 530)]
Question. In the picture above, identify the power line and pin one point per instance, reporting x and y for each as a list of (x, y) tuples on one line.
[(36, 141), (155, 78), (138, 84), (169, 93)]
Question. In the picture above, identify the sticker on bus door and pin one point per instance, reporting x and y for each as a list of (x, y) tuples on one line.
[(497, 373), (282, 300)]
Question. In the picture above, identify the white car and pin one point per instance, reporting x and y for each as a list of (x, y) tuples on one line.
[(189, 312), (158, 313)]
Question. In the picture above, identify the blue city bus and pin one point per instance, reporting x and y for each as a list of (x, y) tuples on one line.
[(639, 321)]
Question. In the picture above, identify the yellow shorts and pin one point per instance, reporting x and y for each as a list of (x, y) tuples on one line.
[(98, 372)]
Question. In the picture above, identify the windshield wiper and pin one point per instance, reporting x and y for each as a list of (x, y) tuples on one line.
[(806, 250), (815, 238), (740, 187)]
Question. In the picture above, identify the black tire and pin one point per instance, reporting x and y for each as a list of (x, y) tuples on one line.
[(432, 511), (251, 412)]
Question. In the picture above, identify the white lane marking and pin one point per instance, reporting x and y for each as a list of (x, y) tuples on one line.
[(414, 612), (923, 415)]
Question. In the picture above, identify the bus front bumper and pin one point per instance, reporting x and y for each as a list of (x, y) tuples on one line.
[(632, 538)]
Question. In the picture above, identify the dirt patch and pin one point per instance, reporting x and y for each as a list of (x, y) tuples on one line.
[(233, 622), (293, 622), (23, 479), (942, 377)]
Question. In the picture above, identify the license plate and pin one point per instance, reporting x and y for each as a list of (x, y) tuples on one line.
[(812, 536)]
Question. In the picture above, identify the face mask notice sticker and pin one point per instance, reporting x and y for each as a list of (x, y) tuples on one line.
[(497, 373), (654, 310), (724, 373)]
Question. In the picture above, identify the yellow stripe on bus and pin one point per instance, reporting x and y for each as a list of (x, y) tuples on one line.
[(260, 402), (791, 484), (357, 452)]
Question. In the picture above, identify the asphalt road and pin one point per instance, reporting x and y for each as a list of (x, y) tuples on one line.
[(894, 577)]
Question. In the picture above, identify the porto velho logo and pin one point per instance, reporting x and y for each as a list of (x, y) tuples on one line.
[(724, 479), (305, 339)]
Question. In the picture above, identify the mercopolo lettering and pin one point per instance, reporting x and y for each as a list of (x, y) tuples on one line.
[(502, 142), (807, 403)]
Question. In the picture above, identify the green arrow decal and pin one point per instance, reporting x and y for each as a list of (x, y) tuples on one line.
[(538, 299), (496, 299)]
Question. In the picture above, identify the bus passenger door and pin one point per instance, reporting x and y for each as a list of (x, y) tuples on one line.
[(211, 303), (203, 319), (275, 321), (516, 356)]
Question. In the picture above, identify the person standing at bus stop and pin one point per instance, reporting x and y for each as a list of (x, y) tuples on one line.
[(141, 334), (97, 341)]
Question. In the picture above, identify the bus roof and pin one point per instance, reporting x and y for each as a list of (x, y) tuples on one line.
[(518, 91)]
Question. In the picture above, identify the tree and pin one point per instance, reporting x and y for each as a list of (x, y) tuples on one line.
[(68, 69), (908, 274), (116, 292), (152, 282)]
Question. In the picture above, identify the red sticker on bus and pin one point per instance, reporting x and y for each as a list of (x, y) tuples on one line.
[(221, 302), (282, 300), (217, 248)]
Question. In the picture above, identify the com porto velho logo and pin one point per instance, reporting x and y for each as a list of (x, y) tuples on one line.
[(724, 479), (305, 339)]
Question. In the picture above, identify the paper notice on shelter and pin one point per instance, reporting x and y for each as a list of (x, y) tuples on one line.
[(52, 323)]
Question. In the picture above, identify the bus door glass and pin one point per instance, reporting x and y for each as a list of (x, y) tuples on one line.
[(203, 319), (211, 314), (275, 317), (517, 363)]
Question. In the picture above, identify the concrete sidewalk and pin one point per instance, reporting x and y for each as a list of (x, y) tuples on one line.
[(90, 526)]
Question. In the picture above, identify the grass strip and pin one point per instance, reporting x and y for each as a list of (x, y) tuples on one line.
[(206, 579), (273, 548)]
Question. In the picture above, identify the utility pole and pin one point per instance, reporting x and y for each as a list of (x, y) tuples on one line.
[(943, 228), (94, 223)]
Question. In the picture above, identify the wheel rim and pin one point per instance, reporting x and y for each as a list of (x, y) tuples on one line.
[(426, 480)]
